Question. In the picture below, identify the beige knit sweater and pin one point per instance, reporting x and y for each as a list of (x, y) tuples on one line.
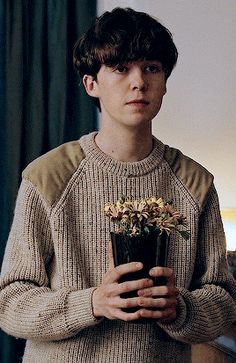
[(57, 254)]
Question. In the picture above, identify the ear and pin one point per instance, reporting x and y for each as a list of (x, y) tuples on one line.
[(164, 89), (90, 85)]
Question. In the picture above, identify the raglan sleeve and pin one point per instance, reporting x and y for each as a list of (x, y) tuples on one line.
[(209, 306), (29, 308)]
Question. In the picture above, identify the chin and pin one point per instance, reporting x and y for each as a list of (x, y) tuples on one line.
[(138, 123)]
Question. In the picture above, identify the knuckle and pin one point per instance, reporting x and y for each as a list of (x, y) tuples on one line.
[(108, 290), (146, 292), (142, 313), (118, 269), (126, 285), (126, 317), (165, 290), (143, 283), (162, 303), (105, 278), (112, 302), (111, 314), (125, 303), (141, 301), (148, 283)]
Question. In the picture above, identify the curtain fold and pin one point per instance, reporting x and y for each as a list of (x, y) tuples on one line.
[(41, 103)]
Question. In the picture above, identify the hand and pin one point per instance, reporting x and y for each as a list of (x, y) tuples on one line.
[(106, 298), (159, 302)]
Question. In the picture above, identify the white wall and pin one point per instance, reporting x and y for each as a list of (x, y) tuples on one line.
[(198, 113)]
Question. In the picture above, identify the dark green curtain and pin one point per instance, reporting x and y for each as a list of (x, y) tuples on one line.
[(41, 102)]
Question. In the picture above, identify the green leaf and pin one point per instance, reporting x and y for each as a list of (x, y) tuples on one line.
[(184, 234)]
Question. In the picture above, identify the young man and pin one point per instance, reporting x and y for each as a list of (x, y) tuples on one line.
[(59, 288)]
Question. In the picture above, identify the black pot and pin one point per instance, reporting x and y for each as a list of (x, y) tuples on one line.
[(151, 250)]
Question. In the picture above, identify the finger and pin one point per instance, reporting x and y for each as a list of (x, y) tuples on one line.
[(156, 291), (158, 314), (121, 315), (160, 303), (117, 272), (134, 285), (126, 303), (161, 271)]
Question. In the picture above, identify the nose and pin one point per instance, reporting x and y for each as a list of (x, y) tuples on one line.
[(138, 80)]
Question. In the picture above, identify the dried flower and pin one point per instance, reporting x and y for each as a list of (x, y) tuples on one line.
[(140, 217)]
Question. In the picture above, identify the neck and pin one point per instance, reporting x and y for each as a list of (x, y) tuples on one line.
[(125, 145)]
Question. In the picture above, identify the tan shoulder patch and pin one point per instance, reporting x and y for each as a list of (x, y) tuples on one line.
[(193, 175), (51, 172)]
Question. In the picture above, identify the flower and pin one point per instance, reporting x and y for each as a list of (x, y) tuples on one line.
[(141, 217)]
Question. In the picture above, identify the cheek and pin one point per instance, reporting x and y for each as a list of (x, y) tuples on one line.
[(158, 90), (160, 94), (110, 103)]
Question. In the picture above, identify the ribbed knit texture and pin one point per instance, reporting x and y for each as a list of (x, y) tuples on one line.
[(57, 254)]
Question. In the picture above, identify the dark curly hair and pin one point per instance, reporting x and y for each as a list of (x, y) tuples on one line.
[(121, 36)]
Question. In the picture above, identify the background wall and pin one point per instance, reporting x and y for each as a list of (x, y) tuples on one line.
[(198, 113)]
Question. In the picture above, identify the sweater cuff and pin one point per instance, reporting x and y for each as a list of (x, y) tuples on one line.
[(79, 310)]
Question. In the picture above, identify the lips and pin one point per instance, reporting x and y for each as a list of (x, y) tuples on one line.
[(138, 101)]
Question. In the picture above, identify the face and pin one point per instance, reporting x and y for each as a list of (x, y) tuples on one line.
[(130, 94)]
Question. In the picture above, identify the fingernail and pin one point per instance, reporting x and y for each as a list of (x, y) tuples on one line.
[(139, 265), (151, 272)]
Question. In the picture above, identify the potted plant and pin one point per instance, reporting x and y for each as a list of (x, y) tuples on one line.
[(142, 230)]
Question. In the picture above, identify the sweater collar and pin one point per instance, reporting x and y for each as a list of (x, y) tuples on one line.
[(122, 168)]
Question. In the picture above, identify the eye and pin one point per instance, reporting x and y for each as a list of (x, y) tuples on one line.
[(121, 69), (153, 68)]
